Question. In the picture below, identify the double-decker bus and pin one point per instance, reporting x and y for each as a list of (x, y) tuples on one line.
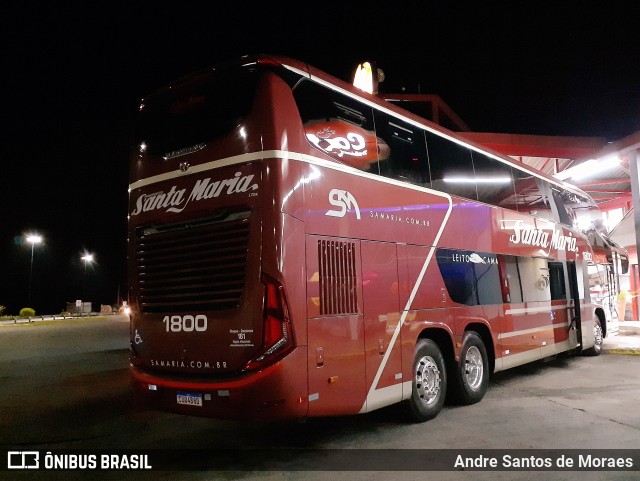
[(298, 247)]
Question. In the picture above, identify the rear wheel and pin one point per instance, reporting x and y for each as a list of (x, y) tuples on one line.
[(429, 382), (471, 377), (596, 350)]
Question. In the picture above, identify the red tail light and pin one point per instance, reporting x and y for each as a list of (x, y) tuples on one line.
[(277, 332)]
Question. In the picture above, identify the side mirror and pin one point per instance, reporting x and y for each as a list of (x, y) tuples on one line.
[(624, 264)]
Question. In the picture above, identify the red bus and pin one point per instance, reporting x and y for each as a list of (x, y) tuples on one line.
[(298, 247)]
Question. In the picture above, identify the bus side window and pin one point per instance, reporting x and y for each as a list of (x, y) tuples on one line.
[(338, 126), (564, 215), (556, 281), (572, 208), (450, 167), (532, 195), (542, 280), (513, 281), (405, 157), (494, 181), (471, 278)]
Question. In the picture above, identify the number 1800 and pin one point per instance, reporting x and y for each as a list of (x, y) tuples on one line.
[(185, 323)]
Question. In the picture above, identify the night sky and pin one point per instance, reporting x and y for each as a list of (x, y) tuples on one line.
[(73, 74)]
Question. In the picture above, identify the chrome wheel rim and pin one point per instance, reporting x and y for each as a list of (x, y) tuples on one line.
[(473, 367), (427, 380)]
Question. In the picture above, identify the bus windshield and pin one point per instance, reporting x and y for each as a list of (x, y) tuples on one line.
[(198, 109)]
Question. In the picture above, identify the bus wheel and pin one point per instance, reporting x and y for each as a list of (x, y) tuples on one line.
[(596, 350), (472, 373), (429, 383)]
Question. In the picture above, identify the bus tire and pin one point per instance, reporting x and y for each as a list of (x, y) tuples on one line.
[(596, 350), (471, 376), (429, 382)]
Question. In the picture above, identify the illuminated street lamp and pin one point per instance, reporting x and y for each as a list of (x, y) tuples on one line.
[(33, 239), (87, 259)]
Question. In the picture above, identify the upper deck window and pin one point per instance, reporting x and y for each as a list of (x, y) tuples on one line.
[(451, 167), (339, 126), (405, 155), (373, 140), (494, 181)]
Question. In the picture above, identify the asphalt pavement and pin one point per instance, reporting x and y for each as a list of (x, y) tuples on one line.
[(65, 386), (627, 341)]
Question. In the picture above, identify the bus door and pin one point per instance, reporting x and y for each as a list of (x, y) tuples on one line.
[(573, 311), (575, 332), (335, 330), (381, 303), (565, 310)]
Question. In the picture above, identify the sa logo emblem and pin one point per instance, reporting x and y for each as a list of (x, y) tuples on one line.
[(344, 200)]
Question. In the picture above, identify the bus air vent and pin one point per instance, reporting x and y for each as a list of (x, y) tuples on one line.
[(194, 266), (338, 286)]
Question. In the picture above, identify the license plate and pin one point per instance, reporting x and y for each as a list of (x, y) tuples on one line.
[(189, 399)]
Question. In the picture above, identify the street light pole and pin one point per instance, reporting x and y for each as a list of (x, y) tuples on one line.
[(33, 239), (88, 259)]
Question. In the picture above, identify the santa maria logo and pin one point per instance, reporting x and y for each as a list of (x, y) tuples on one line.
[(176, 200), (524, 234)]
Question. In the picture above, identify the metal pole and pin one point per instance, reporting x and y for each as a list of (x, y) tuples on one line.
[(30, 275), (634, 166), (634, 161), (84, 280)]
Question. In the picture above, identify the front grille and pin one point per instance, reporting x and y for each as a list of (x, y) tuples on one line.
[(196, 265)]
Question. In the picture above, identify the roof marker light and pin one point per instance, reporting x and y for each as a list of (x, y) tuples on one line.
[(363, 78)]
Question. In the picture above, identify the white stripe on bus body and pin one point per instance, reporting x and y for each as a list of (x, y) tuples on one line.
[(279, 154), (531, 355), (533, 330), (377, 398), (533, 310)]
